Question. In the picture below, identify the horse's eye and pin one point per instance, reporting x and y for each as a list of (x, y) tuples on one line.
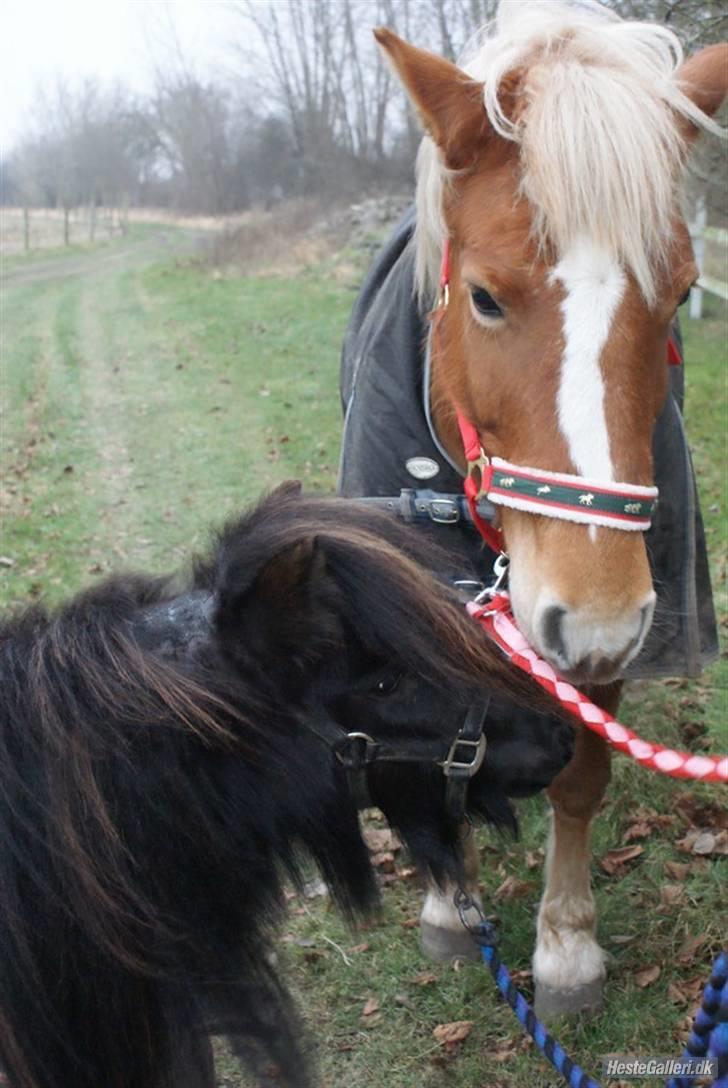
[(484, 303), (685, 297), (387, 684)]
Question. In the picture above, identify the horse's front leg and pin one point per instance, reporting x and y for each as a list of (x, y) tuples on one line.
[(443, 936), (568, 964)]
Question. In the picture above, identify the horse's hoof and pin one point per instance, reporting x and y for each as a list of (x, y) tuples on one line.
[(585, 1000), (445, 945)]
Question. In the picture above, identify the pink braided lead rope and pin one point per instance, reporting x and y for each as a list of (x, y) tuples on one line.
[(496, 618)]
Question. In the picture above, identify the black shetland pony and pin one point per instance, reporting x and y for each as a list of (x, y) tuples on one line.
[(165, 760)]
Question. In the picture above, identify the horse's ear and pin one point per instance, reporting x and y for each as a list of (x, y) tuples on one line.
[(704, 79), (449, 102)]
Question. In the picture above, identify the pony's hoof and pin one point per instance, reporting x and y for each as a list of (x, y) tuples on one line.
[(585, 1000), (445, 945)]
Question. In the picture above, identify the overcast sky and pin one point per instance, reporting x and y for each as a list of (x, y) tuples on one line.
[(40, 39)]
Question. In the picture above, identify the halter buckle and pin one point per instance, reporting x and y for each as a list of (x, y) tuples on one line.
[(356, 750), (482, 467), (470, 765)]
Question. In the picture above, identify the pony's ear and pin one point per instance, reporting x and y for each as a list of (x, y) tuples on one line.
[(449, 102), (281, 616), (704, 79), (276, 583)]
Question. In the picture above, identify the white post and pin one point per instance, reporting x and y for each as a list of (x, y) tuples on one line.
[(697, 234)]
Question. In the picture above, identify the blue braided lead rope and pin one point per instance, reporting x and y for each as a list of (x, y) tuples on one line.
[(709, 1036), (485, 934)]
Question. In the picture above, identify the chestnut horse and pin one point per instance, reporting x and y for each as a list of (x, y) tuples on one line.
[(550, 173)]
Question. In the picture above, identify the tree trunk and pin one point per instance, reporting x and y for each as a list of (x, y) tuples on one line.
[(26, 228), (66, 226)]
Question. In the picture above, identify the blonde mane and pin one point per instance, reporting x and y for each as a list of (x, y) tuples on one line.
[(601, 152)]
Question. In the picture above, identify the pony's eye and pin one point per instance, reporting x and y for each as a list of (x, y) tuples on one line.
[(387, 684), (484, 303), (685, 297)]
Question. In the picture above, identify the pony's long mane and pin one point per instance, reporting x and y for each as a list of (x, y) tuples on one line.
[(600, 146), (150, 804)]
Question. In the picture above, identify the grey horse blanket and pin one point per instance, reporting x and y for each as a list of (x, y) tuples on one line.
[(385, 397)]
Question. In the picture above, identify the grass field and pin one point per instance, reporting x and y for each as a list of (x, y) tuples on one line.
[(144, 401)]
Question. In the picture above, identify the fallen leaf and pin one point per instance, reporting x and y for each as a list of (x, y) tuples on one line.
[(452, 1035), (512, 888), (410, 923), (384, 861), (623, 938), (647, 976), (534, 859), (381, 840), (677, 870), (637, 831), (425, 978), (687, 950), (6, 561), (704, 843), (670, 893), (370, 1007), (710, 815), (363, 947), (504, 1050), (614, 860)]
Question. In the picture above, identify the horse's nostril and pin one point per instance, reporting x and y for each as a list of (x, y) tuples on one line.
[(552, 633)]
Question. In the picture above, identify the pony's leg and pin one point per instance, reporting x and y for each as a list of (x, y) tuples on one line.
[(442, 934), (568, 964), (263, 1030)]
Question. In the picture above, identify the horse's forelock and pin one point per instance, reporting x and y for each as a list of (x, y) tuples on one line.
[(600, 143)]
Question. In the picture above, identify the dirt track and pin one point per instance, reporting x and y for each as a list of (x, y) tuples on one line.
[(133, 250)]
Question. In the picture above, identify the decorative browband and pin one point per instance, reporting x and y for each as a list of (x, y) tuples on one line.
[(573, 498)]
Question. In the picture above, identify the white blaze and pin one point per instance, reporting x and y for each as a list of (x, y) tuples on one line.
[(594, 284)]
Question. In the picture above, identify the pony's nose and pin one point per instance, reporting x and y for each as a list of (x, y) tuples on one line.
[(588, 649)]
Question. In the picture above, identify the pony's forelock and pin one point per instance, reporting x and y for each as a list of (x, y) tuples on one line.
[(600, 147)]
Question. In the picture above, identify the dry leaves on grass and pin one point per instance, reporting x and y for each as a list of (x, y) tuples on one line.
[(381, 840), (450, 1036), (704, 843), (689, 947), (671, 893), (425, 978), (614, 862), (686, 991), (647, 975), (706, 815), (371, 1005), (383, 845), (534, 858), (512, 888), (677, 870)]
